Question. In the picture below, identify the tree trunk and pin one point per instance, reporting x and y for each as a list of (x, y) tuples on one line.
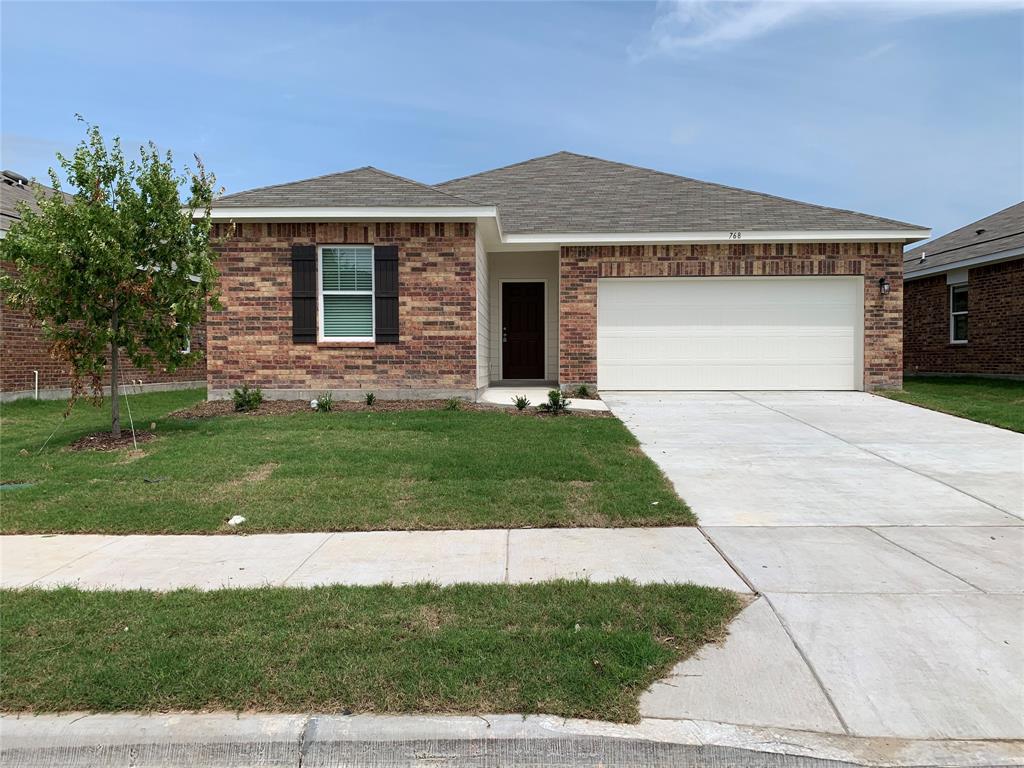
[(115, 401)]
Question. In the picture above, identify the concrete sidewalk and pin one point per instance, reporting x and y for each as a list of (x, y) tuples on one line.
[(645, 555), (226, 740)]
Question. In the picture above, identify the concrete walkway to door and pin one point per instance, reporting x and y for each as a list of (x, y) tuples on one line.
[(887, 544)]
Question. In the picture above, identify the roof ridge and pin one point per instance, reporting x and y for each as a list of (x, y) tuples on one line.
[(747, 191), (289, 183), (763, 195), (431, 187), (510, 165), (342, 173)]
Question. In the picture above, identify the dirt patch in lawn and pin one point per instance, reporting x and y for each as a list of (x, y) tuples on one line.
[(105, 441), (212, 408), (258, 475)]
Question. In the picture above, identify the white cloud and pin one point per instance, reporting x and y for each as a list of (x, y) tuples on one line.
[(694, 25)]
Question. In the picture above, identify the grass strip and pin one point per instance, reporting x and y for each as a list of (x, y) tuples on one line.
[(568, 648), (999, 402)]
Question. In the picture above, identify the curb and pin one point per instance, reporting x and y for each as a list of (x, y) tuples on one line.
[(220, 740)]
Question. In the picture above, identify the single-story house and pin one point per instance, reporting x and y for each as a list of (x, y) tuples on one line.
[(963, 303), (564, 269), (27, 369)]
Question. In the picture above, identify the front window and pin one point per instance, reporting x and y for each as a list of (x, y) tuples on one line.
[(346, 293), (958, 314)]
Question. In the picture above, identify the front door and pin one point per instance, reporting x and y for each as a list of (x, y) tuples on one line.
[(522, 330)]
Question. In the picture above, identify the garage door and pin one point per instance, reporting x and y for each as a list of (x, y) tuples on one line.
[(730, 333)]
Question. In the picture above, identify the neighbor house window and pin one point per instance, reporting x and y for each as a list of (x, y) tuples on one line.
[(346, 293), (958, 314)]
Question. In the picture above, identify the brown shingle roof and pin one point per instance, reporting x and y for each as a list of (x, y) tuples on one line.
[(570, 193), (1002, 231), (15, 189), (362, 187)]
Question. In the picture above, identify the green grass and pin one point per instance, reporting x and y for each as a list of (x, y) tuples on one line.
[(999, 402), (327, 472), (563, 648)]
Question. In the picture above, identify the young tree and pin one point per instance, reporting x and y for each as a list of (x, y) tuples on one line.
[(122, 268)]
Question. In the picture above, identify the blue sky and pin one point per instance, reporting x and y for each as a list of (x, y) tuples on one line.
[(913, 110)]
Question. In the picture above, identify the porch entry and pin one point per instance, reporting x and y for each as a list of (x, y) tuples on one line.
[(522, 330)]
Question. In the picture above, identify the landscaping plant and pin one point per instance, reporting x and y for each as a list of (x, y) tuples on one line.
[(370, 398), (122, 265), (583, 392), (521, 402), (452, 404), (246, 398), (557, 403), (324, 403)]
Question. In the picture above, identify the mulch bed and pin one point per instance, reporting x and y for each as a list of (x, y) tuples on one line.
[(104, 441), (211, 408)]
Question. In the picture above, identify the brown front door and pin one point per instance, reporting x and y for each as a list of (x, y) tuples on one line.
[(522, 330)]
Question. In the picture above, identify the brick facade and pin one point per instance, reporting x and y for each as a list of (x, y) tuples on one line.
[(23, 349), (995, 306), (581, 266), (250, 341)]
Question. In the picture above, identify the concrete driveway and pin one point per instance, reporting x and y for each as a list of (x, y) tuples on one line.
[(887, 544)]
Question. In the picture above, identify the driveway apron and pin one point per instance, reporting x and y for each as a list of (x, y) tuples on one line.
[(886, 542)]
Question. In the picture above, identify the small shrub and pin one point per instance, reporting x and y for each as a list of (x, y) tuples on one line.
[(370, 398), (557, 403), (246, 398), (583, 392), (452, 404), (520, 402), (325, 402)]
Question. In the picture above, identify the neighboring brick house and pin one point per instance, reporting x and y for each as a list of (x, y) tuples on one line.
[(25, 360), (964, 300), (564, 269)]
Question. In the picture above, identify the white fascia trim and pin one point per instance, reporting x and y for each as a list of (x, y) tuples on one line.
[(977, 261), (736, 236), (351, 214)]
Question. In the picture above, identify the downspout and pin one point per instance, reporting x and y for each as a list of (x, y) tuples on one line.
[(35, 385)]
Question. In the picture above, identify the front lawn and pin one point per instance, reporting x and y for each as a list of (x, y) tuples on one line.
[(564, 648), (427, 469), (999, 402)]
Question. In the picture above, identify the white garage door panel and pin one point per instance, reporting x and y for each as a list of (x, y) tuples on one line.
[(730, 333)]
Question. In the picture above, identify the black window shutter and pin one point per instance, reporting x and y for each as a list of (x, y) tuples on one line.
[(304, 294), (385, 293)]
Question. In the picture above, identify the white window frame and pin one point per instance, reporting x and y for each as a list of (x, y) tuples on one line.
[(320, 295), (953, 315)]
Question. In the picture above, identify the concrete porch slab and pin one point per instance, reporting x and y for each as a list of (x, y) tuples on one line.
[(536, 395), (756, 677), (916, 666), (646, 555), (829, 559)]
